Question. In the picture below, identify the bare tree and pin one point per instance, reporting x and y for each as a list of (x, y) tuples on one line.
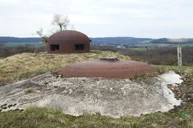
[(61, 21), (39, 32), (43, 38)]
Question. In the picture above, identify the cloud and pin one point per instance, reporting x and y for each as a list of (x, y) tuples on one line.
[(145, 18)]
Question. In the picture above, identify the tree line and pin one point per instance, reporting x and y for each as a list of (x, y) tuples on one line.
[(157, 56)]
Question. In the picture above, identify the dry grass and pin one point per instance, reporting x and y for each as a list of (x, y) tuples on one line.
[(28, 64)]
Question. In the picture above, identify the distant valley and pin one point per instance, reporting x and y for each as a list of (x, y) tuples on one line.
[(122, 42)]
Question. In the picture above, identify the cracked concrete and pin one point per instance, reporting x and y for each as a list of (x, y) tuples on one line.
[(75, 96)]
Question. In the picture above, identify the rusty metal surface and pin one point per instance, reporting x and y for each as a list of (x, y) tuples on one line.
[(106, 69), (67, 40)]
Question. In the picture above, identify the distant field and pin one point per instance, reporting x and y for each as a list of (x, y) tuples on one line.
[(138, 49), (184, 45), (164, 45)]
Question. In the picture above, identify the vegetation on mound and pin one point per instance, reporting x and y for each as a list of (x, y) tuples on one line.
[(185, 90), (181, 116), (35, 117), (27, 65), (30, 90)]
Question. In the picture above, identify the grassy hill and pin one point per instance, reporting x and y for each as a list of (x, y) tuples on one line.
[(27, 65)]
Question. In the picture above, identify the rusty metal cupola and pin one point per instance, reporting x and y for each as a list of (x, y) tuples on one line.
[(106, 67), (68, 41)]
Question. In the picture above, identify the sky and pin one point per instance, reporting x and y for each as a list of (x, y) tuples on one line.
[(100, 18)]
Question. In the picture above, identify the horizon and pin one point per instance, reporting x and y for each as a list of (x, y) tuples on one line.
[(104, 37)]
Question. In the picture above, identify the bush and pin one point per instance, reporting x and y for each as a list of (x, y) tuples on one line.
[(9, 51)]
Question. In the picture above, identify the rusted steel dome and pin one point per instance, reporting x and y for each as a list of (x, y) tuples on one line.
[(110, 68), (68, 41)]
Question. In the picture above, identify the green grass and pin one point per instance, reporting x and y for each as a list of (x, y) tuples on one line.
[(182, 70), (34, 117)]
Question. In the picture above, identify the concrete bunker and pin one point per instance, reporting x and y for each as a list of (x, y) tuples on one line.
[(68, 41), (106, 67)]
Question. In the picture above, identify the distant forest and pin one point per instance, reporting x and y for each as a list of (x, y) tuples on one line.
[(105, 40), (16, 39)]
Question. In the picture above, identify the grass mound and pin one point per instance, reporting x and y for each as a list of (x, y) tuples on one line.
[(28, 64)]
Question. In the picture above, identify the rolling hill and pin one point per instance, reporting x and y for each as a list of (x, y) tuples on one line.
[(172, 41)]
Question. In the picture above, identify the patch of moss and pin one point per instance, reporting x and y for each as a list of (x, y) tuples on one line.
[(30, 90)]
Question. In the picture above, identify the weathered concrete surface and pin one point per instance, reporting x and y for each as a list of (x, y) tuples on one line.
[(75, 96)]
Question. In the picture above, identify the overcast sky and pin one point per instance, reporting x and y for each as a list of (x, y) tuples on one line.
[(100, 18)]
